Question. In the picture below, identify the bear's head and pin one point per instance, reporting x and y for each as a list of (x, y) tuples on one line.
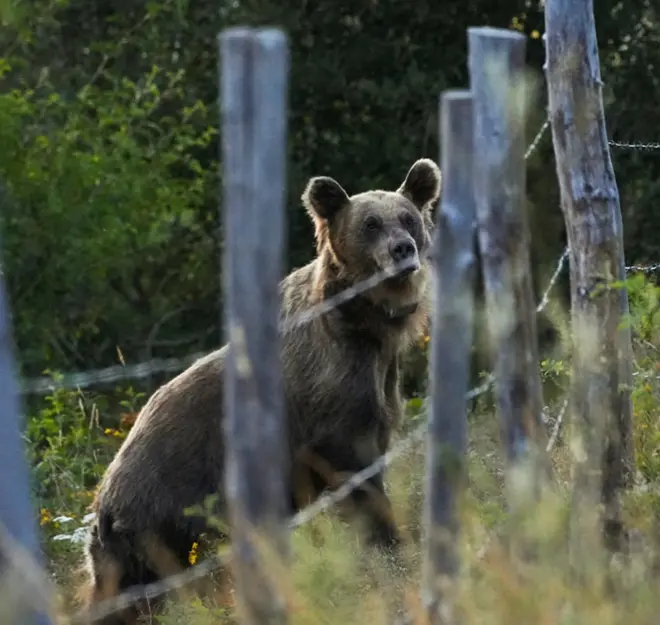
[(386, 232)]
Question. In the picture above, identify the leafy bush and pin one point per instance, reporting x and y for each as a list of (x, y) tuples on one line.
[(105, 238), (71, 439)]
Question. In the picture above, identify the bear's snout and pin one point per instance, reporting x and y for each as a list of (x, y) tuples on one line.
[(404, 254)]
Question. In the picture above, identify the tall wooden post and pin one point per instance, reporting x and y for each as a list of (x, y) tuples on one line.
[(450, 356), (497, 63), (254, 69), (602, 378)]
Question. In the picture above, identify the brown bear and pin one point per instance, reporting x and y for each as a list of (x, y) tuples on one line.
[(341, 388)]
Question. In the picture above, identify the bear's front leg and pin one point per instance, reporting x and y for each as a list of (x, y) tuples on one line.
[(368, 503), (375, 508)]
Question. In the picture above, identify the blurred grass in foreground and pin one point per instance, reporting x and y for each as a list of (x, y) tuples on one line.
[(73, 435)]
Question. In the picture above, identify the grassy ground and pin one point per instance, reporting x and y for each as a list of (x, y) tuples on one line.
[(332, 579)]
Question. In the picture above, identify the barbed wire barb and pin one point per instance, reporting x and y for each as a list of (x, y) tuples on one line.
[(537, 139)]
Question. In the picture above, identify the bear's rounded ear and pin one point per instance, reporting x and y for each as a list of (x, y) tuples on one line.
[(422, 183), (324, 197)]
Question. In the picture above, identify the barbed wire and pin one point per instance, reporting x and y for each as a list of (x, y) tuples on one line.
[(321, 505), (555, 430), (622, 145), (153, 590), (635, 146), (537, 139), (145, 369), (545, 299), (116, 373), (644, 268), (141, 370)]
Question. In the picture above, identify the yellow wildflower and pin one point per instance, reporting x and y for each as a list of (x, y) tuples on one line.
[(114, 432), (192, 556), (44, 516), (516, 23)]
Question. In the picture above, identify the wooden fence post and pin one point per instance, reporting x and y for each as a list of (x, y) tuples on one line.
[(254, 66), (602, 376), (18, 534), (497, 63), (450, 355)]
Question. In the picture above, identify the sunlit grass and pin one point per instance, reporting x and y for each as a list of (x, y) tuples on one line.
[(333, 578)]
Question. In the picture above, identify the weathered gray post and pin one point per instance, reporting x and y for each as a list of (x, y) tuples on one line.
[(17, 517), (497, 64), (450, 356), (254, 76), (602, 377)]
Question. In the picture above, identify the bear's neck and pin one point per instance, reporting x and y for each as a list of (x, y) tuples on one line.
[(356, 309)]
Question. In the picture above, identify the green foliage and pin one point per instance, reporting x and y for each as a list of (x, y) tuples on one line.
[(69, 446), (102, 223), (644, 297), (108, 122), (109, 191)]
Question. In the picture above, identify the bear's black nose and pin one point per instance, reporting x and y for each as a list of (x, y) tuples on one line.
[(402, 250)]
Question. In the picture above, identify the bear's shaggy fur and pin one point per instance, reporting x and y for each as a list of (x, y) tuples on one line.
[(341, 384)]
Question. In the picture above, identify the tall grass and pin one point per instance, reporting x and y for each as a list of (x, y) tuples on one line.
[(334, 579)]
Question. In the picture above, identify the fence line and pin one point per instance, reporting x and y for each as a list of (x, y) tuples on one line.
[(42, 385), (327, 501)]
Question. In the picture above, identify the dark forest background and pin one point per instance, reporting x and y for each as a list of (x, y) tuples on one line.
[(109, 148)]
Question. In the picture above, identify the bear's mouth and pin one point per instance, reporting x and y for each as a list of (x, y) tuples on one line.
[(400, 274), (400, 279), (401, 312)]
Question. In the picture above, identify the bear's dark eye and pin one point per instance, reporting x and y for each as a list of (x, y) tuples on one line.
[(371, 224), (408, 221)]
